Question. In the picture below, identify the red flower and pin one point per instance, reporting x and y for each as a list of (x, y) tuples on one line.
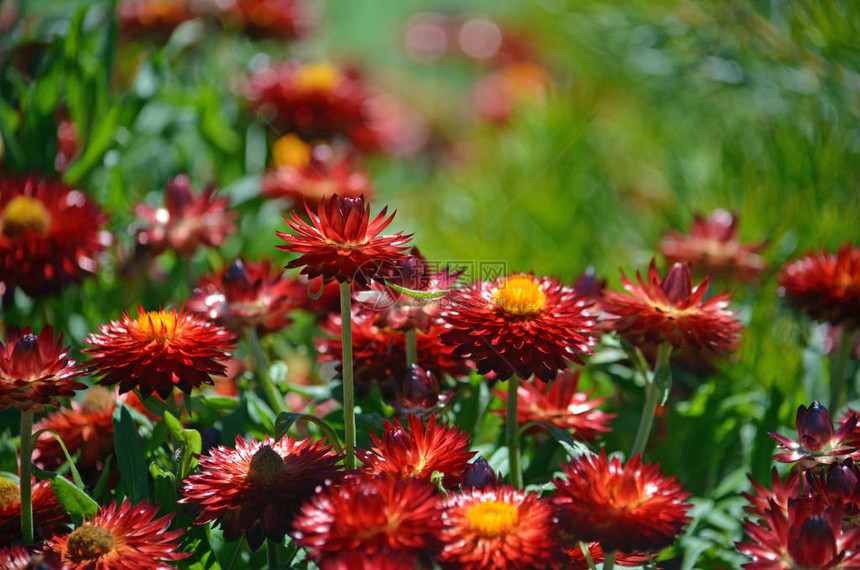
[(159, 350), (141, 17), (257, 488), (20, 558), (342, 243), (559, 404), (186, 221), (627, 508), (248, 294), (120, 538), (50, 235), (35, 371), (498, 528), (519, 323), (817, 441), (576, 559), (825, 286), (49, 517), (777, 497), (365, 520), (712, 246), (418, 453), (672, 311), (286, 19)]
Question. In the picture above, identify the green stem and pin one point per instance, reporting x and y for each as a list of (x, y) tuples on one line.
[(25, 481), (272, 554), (239, 544), (838, 370), (411, 347), (652, 397), (511, 421), (587, 554), (276, 399), (348, 388), (609, 560)]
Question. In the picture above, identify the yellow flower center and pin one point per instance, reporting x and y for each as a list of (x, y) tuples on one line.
[(317, 77), (519, 296), (24, 213), (9, 494), (266, 466), (157, 325), (89, 542), (492, 518), (290, 150), (97, 400)]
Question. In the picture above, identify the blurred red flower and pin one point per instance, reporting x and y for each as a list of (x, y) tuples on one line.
[(49, 517)]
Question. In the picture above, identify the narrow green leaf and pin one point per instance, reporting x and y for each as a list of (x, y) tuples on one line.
[(418, 294), (75, 475), (100, 140), (130, 455), (74, 500), (285, 421)]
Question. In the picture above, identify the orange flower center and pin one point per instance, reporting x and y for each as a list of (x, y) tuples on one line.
[(89, 542), (266, 466), (492, 518), (290, 150), (157, 325), (23, 214), (97, 400), (519, 296), (9, 494), (317, 77)]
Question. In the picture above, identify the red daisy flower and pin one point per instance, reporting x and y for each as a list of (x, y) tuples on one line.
[(248, 294), (576, 558), (627, 508), (778, 495), (672, 311), (20, 558), (143, 17), (418, 453), (519, 323), (342, 243), (712, 246), (364, 520), (49, 517), (817, 441), (559, 404), (498, 528), (159, 350), (825, 286), (186, 221), (128, 537), (35, 371), (50, 235), (286, 19), (421, 393)]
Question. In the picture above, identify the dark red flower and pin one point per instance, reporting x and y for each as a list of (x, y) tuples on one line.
[(624, 508), (421, 393), (257, 488), (35, 371), (778, 495), (817, 441), (142, 17), (342, 243), (285, 19), (121, 538), (418, 453), (49, 517), (50, 235), (159, 350), (576, 558), (518, 323), (672, 310), (825, 286), (20, 558)]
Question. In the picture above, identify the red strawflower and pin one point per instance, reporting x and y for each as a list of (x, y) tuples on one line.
[(365, 520), (285, 19), (417, 453), (672, 310), (825, 286), (777, 497), (712, 246), (35, 371), (248, 294), (420, 393), (50, 235), (498, 528), (624, 508), (342, 243), (575, 558), (561, 405), (187, 221), (143, 17), (49, 517), (257, 488), (817, 441), (518, 323), (20, 558), (159, 350), (128, 537)]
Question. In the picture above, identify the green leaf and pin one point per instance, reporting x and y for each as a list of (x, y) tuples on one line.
[(75, 475), (572, 447), (100, 140), (285, 421), (130, 455), (74, 500), (192, 443), (663, 373), (418, 294)]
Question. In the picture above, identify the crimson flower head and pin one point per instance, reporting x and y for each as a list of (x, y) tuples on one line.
[(775, 497), (575, 558), (49, 517), (186, 221), (713, 246), (143, 17), (817, 441), (159, 350), (124, 537), (19, 558), (50, 235), (825, 286), (370, 523), (418, 453), (248, 294), (342, 242), (285, 19), (624, 508), (672, 310), (36, 370), (519, 324), (257, 488)]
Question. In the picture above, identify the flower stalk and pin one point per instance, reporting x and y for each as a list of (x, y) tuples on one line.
[(838, 371), (653, 393), (25, 481), (276, 399), (511, 425), (348, 384)]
